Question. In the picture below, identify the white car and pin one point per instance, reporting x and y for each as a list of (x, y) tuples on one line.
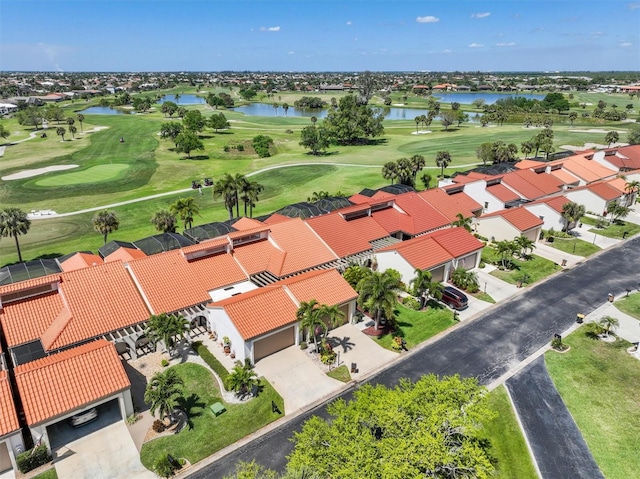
[(84, 417)]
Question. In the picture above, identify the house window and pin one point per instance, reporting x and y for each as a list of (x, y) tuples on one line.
[(486, 205)]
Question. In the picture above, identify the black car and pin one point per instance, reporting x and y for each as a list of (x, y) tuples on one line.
[(454, 298)]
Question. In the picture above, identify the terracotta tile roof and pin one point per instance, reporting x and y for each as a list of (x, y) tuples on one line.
[(303, 248), (450, 205), (69, 380), (420, 216), (389, 220), (206, 245), (276, 218), (259, 256), (170, 282), (619, 184), (354, 209), (531, 185), (422, 252), (245, 223), (325, 286), (529, 164), (30, 283), (8, 417), (461, 180), (556, 202), (260, 311), (381, 195), (503, 193), (521, 218), (340, 235), (604, 191), (125, 254), (248, 232), (627, 158), (26, 320), (457, 241), (81, 260), (369, 229), (566, 177), (359, 199), (587, 170)]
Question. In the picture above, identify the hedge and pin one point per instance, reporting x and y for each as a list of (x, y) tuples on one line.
[(29, 460), (211, 361)]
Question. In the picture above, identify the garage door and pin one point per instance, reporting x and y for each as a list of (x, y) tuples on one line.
[(5, 460), (437, 274), (274, 343), (468, 262)]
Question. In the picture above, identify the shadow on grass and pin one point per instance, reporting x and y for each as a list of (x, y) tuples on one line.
[(196, 158), (192, 406)]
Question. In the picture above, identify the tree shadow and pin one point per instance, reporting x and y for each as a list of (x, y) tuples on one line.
[(196, 158), (224, 132), (192, 406), (343, 342)]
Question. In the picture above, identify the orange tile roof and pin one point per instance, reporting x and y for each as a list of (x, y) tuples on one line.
[(325, 286), (276, 218), (245, 223), (80, 260), (457, 241), (303, 248), (503, 193), (248, 232), (450, 205), (564, 176), (587, 170), (259, 311), (359, 199), (171, 283), (521, 218), (604, 191), (29, 283), (69, 380), (206, 245), (422, 252), (619, 184), (259, 256), (368, 228), (26, 320), (8, 417), (420, 216), (125, 254), (556, 202), (531, 185), (340, 235), (529, 164), (354, 209)]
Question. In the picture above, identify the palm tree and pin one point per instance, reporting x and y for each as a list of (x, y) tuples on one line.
[(572, 212), (505, 249), (390, 171), (417, 164), (313, 120), (285, 107), (424, 286), (310, 320), (73, 130), (467, 280), (14, 222), (426, 180), (61, 132), (81, 119), (164, 221), (377, 294), (165, 327), (418, 120), (163, 391), (631, 188), (105, 222), (177, 97), (443, 158), (185, 209), (241, 380), (240, 183), (225, 188), (572, 116), (526, 147), (611, 137), (249, 191), (462, 222), (524, 244), (608, 323)]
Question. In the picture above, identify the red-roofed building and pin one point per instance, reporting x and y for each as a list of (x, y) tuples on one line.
[(450, 204), (11, 443), (585, 168), (549, 210), (125, 254), (54, 388), (262, 322), (79, 261), (509, 224), (530, 185), (620, 159), (596, 197), (341, 236)]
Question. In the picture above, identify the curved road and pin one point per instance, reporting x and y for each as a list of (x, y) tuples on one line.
[(488, 347), (185, 190)]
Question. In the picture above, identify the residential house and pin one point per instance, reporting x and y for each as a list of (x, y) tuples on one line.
[(509, 224)]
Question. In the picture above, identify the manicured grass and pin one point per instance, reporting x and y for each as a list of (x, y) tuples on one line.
[(95, 174), (207, 433), (48, 474), (482, 296), (508, 446), (574, 246), (535, 268), (615, 230), (630, 305), (599, 383), (418, 326), (341, 373)]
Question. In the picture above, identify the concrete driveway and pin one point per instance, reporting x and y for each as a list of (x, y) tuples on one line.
[(297, 378), (105, 454)]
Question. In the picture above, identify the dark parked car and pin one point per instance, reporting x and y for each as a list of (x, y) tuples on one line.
[(454, 298)]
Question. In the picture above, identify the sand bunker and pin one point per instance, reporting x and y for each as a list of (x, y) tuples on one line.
[(421, 132), (37, 171)]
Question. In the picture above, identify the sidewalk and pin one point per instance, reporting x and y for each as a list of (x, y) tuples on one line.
[(583, 233), (496, 288), (629, 327), (557, 256)]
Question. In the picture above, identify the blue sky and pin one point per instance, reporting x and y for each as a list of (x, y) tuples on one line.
[(319, 35)]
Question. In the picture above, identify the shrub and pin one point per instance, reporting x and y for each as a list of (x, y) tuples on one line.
[(227, 148), (327, 355), (288, 131), (240, 147), (132, 419), (211, 360), (163, 467), (164, 363), (397, 344), (558, 345), (36, 457), (262, 144), (482, 264), (411, 303), (158, 425), (303, 345)]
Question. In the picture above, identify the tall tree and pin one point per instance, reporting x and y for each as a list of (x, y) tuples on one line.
[(194, 121), (80, 120), (571, 213), (218, 122), (249, 194), (352, 122), (462, 222), (163, 391), (61, 132), (187, 141), (225, 188), (524, 244), (448, 118), (443, 158), (73, 130), (377, 294), (314, 138), (14, 222), (185, 209), (424, 287), (310, 320), (390, 171), (164, 221), (417, 164), (166, 328), (105, 222), (611, 137), (285, 107)]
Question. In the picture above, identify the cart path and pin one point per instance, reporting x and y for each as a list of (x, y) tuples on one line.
[(186, 190)]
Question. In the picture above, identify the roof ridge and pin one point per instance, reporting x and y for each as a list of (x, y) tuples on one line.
[(56, 358), (55, 329)]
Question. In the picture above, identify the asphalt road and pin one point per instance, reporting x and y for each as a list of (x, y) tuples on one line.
[(544, 416), (486, 347)]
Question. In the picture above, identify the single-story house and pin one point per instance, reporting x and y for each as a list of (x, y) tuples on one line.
[(596, 197), (509, 224), (549, 210)]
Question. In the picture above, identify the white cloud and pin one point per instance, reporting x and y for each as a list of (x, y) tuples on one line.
[(626, 44), (476, 45), (480, 15), (440, 51), (427, 19), (349, 22), (598, 34), (505, 44), (290, 53), (269, 29)]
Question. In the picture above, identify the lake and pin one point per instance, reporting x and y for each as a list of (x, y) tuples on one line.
[(103, 110), (186, 99)]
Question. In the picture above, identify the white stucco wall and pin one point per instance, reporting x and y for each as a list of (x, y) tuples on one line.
[(591, 201), (15, 446), (478, 191), (496, 228), (221, 323), (551, 218), (394, 260)]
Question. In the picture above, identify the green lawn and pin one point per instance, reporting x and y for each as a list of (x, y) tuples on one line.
[(207, 433), (95, 174), (48, 474), (529, 271), (630, 305), (615, 230), (418, 326), (341, 373), (482, 296), (508, 446), (599, 383), (574, 246)]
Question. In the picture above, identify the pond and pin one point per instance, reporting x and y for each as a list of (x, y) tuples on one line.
[(103, 110), (184, 99), (489, 98)]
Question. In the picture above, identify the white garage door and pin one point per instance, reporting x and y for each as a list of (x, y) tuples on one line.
[(437, 274)]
